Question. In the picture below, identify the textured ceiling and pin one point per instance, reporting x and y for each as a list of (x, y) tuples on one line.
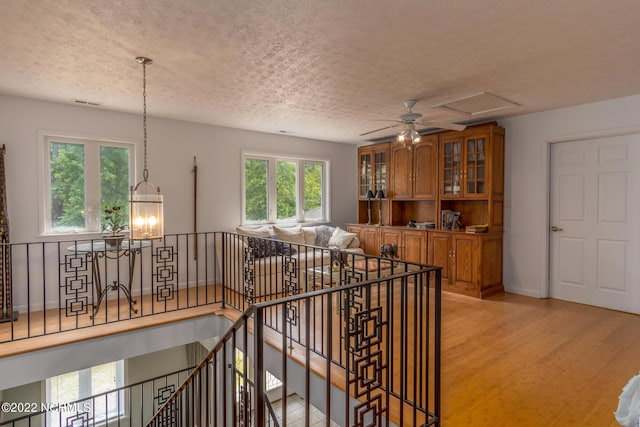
[(324, 69)]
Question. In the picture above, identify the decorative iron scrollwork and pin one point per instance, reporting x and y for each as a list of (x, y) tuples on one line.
[(76, 283), (249, 275), (164, 273), (365, 327)]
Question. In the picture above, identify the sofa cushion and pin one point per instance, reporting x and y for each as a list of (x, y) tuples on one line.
[(290, 234), (309, 235), (255, 231), (341, 238)]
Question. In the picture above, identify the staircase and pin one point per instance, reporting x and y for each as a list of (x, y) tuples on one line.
[(360, 353)]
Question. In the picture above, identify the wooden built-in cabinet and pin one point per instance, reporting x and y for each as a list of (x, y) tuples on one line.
[(457, 171)]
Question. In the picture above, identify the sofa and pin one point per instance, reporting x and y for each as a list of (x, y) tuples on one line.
[(273, 261)]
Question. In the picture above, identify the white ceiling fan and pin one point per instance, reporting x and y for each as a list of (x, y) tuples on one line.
[(410, 120)]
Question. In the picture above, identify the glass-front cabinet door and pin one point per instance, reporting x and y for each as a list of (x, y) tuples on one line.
[(372, 169), (464, 169), (380, 171), (452, 167), (475, 180), (364, 184)]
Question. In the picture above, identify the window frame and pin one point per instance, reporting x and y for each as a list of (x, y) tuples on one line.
[(93, 209), (272, 202), (85, 391)]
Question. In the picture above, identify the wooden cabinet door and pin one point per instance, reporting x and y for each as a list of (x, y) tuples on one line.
[(401, 173), (439, 253), (464, 257), (415, 246), (425, 168), (368, 236), (369, 240), (392, 236)]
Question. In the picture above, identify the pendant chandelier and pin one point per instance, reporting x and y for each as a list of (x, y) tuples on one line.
[(146, 218)]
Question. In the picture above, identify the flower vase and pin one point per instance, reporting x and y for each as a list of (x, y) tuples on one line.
[(114, 241)]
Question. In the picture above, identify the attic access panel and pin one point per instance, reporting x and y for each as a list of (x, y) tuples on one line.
[(478, 103)]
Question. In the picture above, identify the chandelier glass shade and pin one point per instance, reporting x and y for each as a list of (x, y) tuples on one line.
[(409, 133), (146, 220)]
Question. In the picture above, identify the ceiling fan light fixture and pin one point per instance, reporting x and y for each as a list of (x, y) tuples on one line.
[(415, 136), (405, 134)]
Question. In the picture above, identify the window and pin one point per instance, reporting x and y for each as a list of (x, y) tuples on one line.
[(284, 189), (74, 386), (271, 382), (81, 177)]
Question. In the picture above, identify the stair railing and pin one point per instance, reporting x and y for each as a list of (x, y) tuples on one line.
[(363, 353), (129, 405)]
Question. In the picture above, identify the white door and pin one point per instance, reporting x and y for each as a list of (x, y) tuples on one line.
[(594, 219)]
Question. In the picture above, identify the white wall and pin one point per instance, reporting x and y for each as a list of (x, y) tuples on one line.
[(527, 164), (172, 144)]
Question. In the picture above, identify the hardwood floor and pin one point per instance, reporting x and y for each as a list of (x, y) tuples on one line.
[(28, 332), (518, 361), (508, 360), (512, 360)]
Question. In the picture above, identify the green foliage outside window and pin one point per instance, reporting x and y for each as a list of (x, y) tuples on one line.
[(114, 180), (255, 189), (286, 190), (312, 187), (68, 167), (67, 185)]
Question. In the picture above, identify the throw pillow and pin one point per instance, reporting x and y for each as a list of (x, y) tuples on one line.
[(323, 234), (290, 234), (262, 248), (284, 248), (341, 238)]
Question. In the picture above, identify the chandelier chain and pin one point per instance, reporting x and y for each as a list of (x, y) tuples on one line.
[(145, 173)]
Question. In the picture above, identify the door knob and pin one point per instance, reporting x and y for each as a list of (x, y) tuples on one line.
[(554, 229)]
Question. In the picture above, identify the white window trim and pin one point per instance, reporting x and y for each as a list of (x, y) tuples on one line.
[(44, 182), (272, 214), (84, 382)]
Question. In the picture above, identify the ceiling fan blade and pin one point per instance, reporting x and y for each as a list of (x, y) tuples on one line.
[(378, 130), (443, 125)]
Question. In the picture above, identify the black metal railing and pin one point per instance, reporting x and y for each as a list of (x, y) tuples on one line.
[(67, 285), (355, 336), (131, 405), (364, 330)]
